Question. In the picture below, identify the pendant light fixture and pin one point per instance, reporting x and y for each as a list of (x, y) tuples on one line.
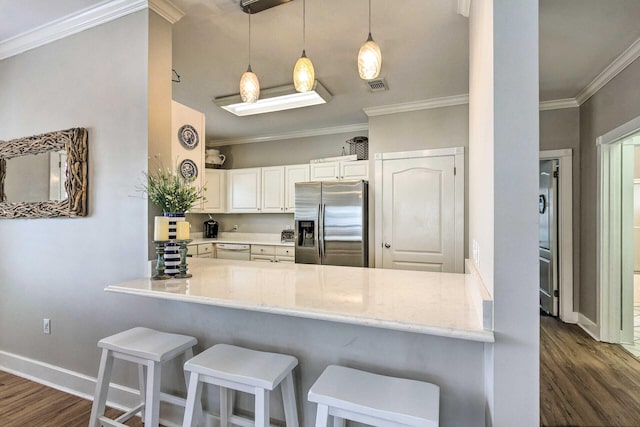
[(369, 57), (303, 72), (249, 84)]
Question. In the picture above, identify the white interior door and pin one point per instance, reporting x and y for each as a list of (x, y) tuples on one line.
[(419, 214)]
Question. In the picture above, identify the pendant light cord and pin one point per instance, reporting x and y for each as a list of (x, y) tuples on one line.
[(304, 24), (369, 18), (249, 37)]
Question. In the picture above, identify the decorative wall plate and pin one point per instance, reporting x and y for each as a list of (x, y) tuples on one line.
[(188, 137), (188, 169)]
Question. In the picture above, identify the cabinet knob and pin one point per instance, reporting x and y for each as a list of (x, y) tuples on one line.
[(337, 177), (387, 245)]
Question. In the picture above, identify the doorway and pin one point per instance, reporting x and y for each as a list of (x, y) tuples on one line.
[(616, 233), (563, 266)]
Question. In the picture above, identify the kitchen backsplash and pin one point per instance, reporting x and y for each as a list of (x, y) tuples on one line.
[(247, 223)]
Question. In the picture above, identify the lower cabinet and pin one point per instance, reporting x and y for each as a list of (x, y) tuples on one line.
[(272, 253), (202, 250)]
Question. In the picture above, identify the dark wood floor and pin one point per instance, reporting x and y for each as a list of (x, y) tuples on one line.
[(583, 383), (24, 403)]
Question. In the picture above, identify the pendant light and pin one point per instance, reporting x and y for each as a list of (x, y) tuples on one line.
[(303, 73), (249, 84), (369, 57)]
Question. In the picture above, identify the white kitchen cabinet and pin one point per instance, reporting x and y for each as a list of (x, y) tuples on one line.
[(216, 191), (272, 253), (293, 174), (358, 169), (273, 189), (244, 190), (201, 250), (331, 171)]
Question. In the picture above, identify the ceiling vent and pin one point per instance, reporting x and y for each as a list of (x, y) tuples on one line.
[(255, 6), (377, 85)]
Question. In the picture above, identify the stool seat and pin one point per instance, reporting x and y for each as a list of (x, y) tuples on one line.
[(148, 344), (349, 393), (149, 349), (237, 369), (243, 365)]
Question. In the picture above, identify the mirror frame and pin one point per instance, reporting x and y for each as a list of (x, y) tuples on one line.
[(74, 142)]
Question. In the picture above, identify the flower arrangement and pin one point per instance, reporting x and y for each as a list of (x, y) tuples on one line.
[(171, 192)]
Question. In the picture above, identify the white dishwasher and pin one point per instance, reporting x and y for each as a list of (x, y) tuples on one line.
[(233, 251)]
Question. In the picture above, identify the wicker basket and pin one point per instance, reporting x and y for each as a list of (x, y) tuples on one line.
[(359, 145)]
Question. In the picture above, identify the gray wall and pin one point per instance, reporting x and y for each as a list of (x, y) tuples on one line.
[(615, 104), (58, 268), (560, 129)]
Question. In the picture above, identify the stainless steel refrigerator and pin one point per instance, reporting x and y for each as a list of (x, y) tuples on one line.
[(331, 223)]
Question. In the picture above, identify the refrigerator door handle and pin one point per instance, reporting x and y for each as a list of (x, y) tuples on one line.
[(322, 224), (319, 236)]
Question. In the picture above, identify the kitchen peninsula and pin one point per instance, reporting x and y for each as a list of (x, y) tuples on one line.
[(420, 325)]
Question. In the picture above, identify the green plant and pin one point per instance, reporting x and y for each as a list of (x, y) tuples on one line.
[(171, 192)]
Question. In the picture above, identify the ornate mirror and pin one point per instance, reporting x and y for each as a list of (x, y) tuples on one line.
[(44, 176)]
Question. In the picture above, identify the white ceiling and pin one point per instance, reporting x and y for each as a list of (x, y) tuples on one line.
[(424, 45)]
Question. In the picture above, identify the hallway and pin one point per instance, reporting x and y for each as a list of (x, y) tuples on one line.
[(583, 382)]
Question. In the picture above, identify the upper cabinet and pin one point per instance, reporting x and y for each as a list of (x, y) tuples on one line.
[(244, 190), (273, 189), (293, 174), (330, 171), (215, 191), (279, 187)]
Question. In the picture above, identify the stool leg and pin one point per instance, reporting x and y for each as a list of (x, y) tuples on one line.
[(102, 387), (193, 396), (142, 383), (152, 403), (322, 415), (262, 407), (226, 405), (199, 414), (338, 422), (289, 401)]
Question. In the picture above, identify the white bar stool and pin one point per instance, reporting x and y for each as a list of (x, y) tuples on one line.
[(250, 371), (149, 349), (373, 399)]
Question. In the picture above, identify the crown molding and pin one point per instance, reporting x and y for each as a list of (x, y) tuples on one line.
[(558, 104), (463, 7), (290, 135), (167, 10), (83, 20), (620, 63), (426, 104)]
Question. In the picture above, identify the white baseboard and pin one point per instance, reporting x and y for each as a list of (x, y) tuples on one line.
[(572, 317), (589, 326), (77, 384)]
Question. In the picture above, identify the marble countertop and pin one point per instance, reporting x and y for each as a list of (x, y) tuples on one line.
[(245, 238), (442, 304)]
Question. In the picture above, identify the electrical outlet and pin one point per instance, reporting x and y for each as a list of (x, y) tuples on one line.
[(46, 326), (235, 228)]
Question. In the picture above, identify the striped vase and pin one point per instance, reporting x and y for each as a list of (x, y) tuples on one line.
[(171, 250)]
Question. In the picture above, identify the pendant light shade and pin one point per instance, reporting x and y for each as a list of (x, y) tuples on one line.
[(369, 57), (249, 84), (303, 73)]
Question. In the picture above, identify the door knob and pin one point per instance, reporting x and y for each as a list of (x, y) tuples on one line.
[(387, 245)]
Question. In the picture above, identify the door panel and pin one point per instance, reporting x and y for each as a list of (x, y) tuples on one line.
[(419, 214), (547, 205)]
